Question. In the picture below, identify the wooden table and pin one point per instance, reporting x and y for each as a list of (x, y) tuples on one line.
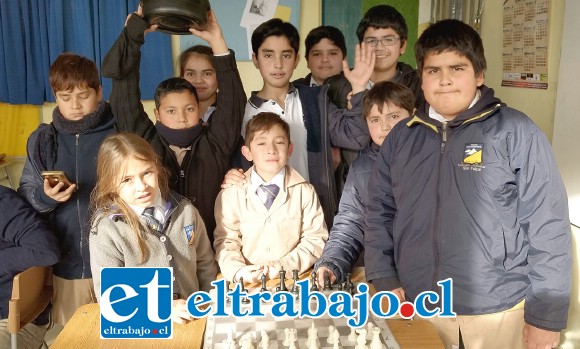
[(82, 331)]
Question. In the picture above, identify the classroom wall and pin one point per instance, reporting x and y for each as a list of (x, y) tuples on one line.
[(539, 105)]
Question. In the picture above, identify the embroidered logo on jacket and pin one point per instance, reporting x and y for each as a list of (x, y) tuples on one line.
[(473, 153), (473, 157), (190, 233)]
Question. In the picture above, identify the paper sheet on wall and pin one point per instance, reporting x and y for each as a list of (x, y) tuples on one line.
[(525, 43)]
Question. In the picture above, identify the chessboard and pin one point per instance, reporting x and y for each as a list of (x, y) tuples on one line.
[(221, 332)]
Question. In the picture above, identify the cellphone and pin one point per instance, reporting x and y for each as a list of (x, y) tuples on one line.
[(55, 177)]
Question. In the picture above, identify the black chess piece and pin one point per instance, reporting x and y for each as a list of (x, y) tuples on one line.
[(263, 279), (228, 300), (245, 300), (282, 286), (349, 286), (327, 285), (295, 289), (314, 286)]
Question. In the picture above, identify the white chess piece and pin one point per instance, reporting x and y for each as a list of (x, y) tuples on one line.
[(229, 341), (336, 340), (330, 338), (286, 341), (370, 327), (352, 335), (361, 340), (312, 337), (293, 338), (265, 342), (376, 341), (246, 341)]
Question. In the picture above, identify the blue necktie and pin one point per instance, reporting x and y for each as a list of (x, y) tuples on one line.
[(150, 219), (271, 191)]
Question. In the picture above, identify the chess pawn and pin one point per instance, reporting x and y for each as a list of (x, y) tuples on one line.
[(330, 338), (263, 280), (295, 290), (314, 286), (286, 341)]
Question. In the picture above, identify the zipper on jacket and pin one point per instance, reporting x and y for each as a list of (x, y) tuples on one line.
[(438, 214), (77, 137)]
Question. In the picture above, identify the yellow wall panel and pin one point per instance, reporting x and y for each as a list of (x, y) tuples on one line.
[(16, 123)]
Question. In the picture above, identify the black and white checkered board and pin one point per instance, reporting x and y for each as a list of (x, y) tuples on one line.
[(216, 331)]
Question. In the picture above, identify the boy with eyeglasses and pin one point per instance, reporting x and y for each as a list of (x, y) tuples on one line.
[(383, 28)]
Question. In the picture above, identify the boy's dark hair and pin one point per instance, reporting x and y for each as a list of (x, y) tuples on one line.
[(325, 32), (197, 49), (388, 92), (69, 71), (173, 85), (382, 17), (451, 35), (264, 121), (275, 27)]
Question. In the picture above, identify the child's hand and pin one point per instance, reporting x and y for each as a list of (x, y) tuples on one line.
[(320, 276), (179, 313), (536, 338), (400, 293), (250, 273), (272, 270), (212, 34), (235, 176), (364, 64), (55, 193), (139, 13)]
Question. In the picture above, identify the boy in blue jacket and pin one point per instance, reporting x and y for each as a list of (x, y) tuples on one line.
[(468, 189), (383, 107), (25, 241)]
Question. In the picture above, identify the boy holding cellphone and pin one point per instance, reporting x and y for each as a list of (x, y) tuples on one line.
[(80, 122)]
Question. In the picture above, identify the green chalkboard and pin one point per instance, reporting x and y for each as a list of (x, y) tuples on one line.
[(345, 15)]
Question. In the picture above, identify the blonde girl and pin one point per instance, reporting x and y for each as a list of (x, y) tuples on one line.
[(138, 222)]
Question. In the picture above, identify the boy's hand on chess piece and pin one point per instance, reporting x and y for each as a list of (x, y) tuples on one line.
[(320, 276), (250, 273), (537, 338), (179, 313), (235, 176), (400, 293), (272, 270)]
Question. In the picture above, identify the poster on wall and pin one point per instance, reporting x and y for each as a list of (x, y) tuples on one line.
[(525, 43), (239, 18)]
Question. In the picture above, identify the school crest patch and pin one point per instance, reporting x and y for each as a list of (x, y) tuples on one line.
[(190, 233), (473, 153)]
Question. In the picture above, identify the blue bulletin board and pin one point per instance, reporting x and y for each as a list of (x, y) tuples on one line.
[(239, 18)]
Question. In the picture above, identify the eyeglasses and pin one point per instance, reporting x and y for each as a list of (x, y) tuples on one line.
[(385, 41)]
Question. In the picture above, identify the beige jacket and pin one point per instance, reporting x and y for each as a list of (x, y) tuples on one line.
[(292, 232)]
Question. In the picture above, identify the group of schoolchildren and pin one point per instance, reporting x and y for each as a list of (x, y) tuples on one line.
[(463, 187)]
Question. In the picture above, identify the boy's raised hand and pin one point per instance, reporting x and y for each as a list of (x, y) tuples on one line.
[(139, 13), (212, 34), (364, 64)]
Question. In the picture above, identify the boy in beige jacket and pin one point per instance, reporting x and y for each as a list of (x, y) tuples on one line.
[(273, 221)]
